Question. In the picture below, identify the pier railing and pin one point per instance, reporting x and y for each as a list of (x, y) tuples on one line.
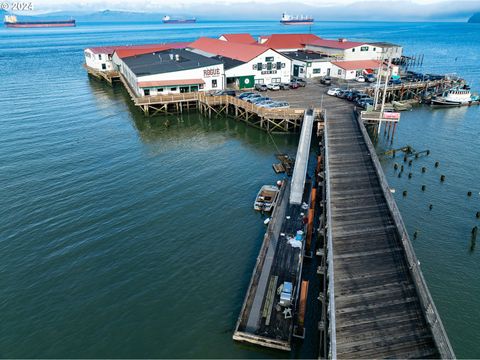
[(331, 277), (429, 309)]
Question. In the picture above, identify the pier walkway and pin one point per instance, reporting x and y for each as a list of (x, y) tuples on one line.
[(379, 304)]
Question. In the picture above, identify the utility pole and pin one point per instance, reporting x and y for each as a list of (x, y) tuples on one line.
[(385, 91)]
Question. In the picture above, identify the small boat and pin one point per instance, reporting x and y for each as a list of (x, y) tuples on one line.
[(266, 198), (399, 106), (456, 96)]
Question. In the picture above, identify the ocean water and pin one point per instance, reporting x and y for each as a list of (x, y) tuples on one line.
[(121, 238)]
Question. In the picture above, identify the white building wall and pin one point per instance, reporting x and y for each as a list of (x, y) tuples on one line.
[(96, 60), (362, 52), (206, 73), (338, 72), (319, 68), (395, 52), (265, 75)]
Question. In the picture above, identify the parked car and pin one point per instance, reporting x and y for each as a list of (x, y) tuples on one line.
[(333, 91), (284, 86), (342, 93), (300, 82), (261, 87), (294, 85), (326, 81), (278, 105), (352, 95), (273, 87), (252, 97), (361, 98), (365, 103), (245, 94), (394, 82), (258, 100), (265, 103), (360, 78), (370, 78)]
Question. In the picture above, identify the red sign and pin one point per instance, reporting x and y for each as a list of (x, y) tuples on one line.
[(391, 115)]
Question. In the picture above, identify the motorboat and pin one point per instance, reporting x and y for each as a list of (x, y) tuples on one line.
[(266, 198)]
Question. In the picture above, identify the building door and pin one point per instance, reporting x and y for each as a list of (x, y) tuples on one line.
[(328, 72), (296, 70), (246, 82), (104, 67)]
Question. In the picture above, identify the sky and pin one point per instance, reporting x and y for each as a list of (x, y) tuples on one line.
[(455, 10)]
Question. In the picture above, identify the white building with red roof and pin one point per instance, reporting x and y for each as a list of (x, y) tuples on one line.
[(244, 38), (350, 69), (245, 64), (344, 49), (101, 57), (287, 42)]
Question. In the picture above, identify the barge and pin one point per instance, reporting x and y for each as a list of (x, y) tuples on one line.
[(168, 20), (296, 20)]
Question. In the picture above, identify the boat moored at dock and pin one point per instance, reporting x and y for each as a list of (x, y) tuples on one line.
[(456, 96), (266, 198)]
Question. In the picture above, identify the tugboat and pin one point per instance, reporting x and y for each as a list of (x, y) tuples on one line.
[(456, 96), (168, 20), (296, 20)]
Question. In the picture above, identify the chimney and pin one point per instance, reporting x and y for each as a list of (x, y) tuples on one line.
[(342, 40)]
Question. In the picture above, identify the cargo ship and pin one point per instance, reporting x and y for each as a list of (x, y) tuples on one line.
[(168, 20), (296, 20), (12, 22)]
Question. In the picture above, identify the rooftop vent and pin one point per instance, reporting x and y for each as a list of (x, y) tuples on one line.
[(177, 57), (342, 40)]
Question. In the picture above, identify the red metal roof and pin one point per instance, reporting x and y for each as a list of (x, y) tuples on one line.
[(170, 82), (335, 44), (288, 41), (240, 38), (132, 50), (233, 50), (357, 64)]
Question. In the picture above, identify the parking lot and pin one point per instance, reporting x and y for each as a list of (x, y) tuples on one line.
[(312, 95)]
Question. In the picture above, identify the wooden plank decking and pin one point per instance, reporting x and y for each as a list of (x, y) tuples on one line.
[(379, 304)]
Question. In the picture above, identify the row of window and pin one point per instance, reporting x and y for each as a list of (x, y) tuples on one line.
[(364, 48), (269, 66), (273, 81), (182, 88)]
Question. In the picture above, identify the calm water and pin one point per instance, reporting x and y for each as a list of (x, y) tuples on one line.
[(122, 238)]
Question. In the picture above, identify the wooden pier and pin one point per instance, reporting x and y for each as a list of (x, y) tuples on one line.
[(379, 305), (108, 76), (411, 90)]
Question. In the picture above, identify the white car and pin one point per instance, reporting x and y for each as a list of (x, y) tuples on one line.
[(333, 91), (273, 87), (360, 79)]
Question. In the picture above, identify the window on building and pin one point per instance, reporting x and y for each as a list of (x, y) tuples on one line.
[(173, 89), (99, 56), (353, 50), (160, 90), (309, 64), (364, 48), (214, 83), (317, 71), (269, 66), (259, 81), (146, 92), (201, 86), (269, 59), (104, 66), (374, 49), (276, 80), (279, 65), (339, 72), (259, 66)]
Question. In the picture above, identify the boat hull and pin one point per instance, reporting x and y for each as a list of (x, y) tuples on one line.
[(188, 21), (41, 24), (296, 22)]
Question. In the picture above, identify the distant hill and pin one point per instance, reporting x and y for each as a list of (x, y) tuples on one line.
[(475, 18)]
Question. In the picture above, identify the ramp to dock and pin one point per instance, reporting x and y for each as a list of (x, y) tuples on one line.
[(301, 160), (380, 306)]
